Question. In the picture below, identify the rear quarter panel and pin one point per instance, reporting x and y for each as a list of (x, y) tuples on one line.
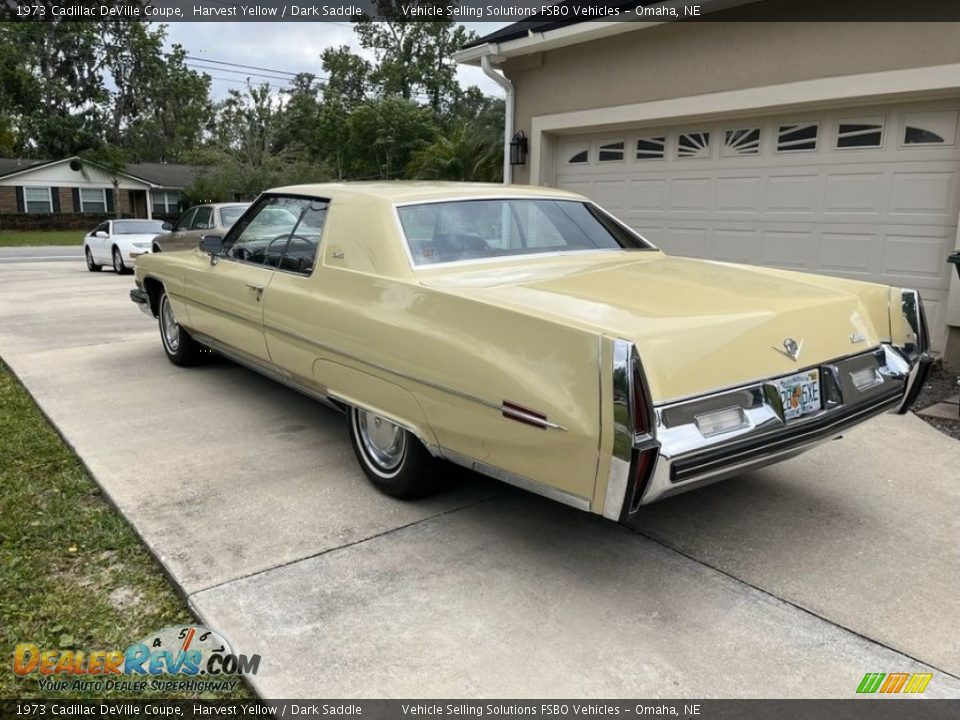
[(457, 359)]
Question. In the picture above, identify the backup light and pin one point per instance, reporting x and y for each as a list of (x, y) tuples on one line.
[(721, 421), (866, 378)]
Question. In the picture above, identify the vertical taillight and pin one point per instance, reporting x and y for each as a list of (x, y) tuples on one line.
[(642, 412), (635, 447)]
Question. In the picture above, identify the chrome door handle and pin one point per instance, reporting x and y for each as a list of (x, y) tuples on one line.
[(258, 289)]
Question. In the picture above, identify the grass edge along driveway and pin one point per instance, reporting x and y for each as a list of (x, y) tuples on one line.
[(73, 574)]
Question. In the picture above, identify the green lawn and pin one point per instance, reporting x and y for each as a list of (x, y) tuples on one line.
[(73, 574), (20, 238)]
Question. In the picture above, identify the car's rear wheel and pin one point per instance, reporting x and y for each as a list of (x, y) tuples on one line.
[(391, 457), (91, 265), (180, 347), (118, 265)]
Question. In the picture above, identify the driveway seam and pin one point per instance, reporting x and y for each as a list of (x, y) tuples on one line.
[(663, 543), (359, 541)]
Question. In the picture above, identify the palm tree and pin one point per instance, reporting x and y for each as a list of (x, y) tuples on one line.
[(465, 154)]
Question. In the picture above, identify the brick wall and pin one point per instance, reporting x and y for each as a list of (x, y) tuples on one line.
[(66, 200), (8, 199)]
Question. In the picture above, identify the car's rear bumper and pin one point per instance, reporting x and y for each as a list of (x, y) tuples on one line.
[(687, 459)]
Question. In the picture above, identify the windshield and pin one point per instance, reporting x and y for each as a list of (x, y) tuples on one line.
[(137, 227), (229, 215), (473, 229)]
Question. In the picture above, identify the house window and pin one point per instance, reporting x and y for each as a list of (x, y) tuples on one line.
[(741, 142), (860, 133), (165, 202), (930, 128), (693, 145), (93, 200), (797, 138), (37, 200), (651, 148), (581, 156), (611, 152)]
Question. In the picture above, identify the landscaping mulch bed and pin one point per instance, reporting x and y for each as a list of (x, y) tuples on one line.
[(940, 385)]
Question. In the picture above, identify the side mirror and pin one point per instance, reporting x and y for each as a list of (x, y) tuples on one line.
[(211, 244), (100, 233)]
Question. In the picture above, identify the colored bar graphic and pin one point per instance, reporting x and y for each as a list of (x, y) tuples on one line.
[(894, 683), (918, 682), (870, 682)]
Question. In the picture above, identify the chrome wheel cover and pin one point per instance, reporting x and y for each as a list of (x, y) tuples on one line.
[(384, 443), (169, 329)]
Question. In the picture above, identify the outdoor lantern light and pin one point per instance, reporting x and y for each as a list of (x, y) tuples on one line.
[(518, 149)]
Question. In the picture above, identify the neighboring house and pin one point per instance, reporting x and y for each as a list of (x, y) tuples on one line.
[(822, 147), (73, 186)]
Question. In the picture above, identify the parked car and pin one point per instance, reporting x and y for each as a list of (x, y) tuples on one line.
[(527, 334), (197, 221), (119, 242)]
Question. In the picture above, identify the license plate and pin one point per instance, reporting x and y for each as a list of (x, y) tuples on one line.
[(800, 394)]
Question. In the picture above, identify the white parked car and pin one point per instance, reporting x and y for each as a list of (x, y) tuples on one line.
[(119, 242)]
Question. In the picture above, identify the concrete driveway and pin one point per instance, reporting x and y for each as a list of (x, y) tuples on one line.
[(790, 582)]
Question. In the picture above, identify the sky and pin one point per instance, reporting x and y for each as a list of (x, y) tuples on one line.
[(291, 47)]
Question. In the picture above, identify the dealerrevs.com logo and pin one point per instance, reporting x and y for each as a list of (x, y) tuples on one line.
[(189, 658), (891, 683)]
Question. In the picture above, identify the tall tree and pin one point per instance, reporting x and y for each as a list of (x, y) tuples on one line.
[(345, 89), (54, 85), (414, 59), (175, 113)]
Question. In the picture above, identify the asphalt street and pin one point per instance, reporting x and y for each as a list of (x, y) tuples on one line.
[(793, 581)]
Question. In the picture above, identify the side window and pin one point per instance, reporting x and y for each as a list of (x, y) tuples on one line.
[(103, 227), (300, 253), (261, 236), (184, 222), (203, 220)]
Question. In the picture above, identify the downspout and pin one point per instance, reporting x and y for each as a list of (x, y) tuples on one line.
[(505, 83)]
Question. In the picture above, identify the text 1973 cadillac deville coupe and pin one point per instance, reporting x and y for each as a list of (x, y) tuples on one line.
[(527, 334)]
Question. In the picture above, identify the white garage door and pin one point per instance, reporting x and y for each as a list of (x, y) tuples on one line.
[(869, 194)]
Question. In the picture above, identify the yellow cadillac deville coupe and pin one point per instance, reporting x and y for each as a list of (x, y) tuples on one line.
[(527, 334)]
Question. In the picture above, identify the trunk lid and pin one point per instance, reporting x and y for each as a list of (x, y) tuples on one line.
[(698, 325)]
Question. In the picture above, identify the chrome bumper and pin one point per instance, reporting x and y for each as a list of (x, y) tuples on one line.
[(686, 459), (140, 297)]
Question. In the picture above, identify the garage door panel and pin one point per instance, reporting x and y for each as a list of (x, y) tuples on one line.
[(610, 194), (793, 194), (791, 249), (690, 195), (916, 258), (852, 255), (884, 214), (739, 194), (739, 246), (688, 241), (924, 196), (862, 194), (646, 196)]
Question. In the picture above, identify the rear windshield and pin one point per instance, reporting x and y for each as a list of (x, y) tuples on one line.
[(229, 215), (136, 227), (475, 229)]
